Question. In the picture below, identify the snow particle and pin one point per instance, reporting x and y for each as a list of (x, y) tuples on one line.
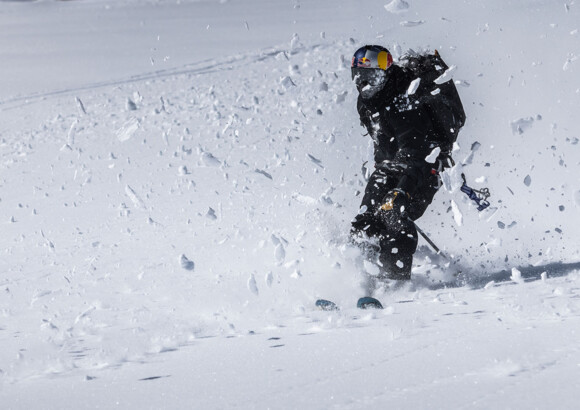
[(528, 180), (264, 173), (457, 215), (432, 157), (295, 42), (280, 253), (186, 263), (252, 285), (269, 278), (128, 129), (521, 125), (183, 170), (211, 214), (415, 23), (516, 276), (134, 197), (130, 105), (339, 98), (397, 6), (209, 160), (413, 86), (446, 76), (81, 106), (577, 198), (287, 82)]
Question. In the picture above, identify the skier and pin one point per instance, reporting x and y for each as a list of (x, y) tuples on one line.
[(413, 113)]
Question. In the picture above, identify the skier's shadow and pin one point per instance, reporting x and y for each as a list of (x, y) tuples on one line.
[(528, 274)]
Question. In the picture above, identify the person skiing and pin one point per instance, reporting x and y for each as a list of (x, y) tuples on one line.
[(413, 113)]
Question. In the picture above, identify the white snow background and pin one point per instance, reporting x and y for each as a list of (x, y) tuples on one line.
[(177, 183)]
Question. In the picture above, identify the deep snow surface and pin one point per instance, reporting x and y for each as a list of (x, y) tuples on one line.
[(177, 180)]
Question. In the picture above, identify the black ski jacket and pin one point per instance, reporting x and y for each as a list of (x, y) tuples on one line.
[(404, 122)]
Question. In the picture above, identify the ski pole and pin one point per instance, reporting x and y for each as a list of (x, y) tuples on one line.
[(429, 241)]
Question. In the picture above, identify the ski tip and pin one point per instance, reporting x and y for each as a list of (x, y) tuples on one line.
[(368, 303), (327, 305)]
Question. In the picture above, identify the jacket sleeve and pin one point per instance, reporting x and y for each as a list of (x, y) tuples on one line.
[(365, 118)]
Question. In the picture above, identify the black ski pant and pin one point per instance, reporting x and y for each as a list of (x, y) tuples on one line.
[(397, 237)]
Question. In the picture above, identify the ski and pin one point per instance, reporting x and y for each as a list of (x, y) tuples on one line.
[(327, 305), (366, 302)]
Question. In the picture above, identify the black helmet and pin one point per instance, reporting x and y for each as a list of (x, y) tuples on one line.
[(369, 69)]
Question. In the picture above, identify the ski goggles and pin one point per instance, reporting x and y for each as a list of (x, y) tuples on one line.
[(368, 58), (368, 76)]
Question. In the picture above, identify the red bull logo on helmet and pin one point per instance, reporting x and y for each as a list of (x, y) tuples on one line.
[(369, 58), (363, 62)]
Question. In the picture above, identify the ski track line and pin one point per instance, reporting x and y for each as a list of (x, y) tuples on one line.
[(22, 101)]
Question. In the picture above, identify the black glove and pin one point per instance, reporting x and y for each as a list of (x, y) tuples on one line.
[(392, 166), (369, 224), (395, 207)]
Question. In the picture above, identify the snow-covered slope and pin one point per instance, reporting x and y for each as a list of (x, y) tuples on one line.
[(178, 179)]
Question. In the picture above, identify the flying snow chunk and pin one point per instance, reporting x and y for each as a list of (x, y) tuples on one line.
[(571, 58), (134, 197), (252, 285), (304, 199), (262, 172), (412, 23), (280, 253), (182, 171), (130, 105), (413, 86), (269, 278), (457, 215), (577, 198), (287, 82), (128, 129), (516, 276), (446, 76), (211, 214), (432, 157), (295, 42), (340, 98), (209, 160), (186, 263), (315, 160), (397, 6), (521, 125), (451, 179), (528, 180)]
